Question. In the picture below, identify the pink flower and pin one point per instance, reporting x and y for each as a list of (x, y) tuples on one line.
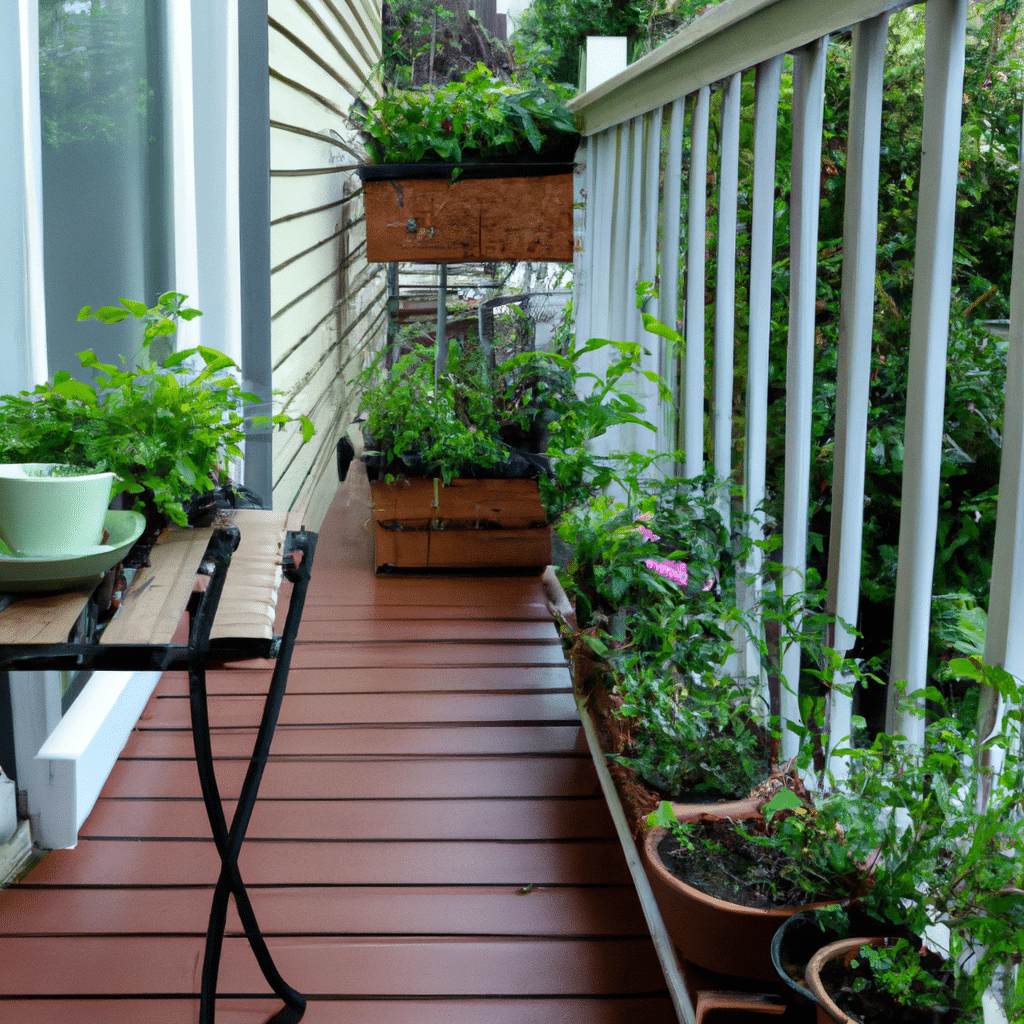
[(644, 517), (674, 571), (645, 533)]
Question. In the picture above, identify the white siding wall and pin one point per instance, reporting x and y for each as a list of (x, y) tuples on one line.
[(327, 302)]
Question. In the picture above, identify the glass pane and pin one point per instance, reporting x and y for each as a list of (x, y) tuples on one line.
[(102, 76)]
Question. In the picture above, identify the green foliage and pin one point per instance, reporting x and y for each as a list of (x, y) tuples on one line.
[(899, 970), (653, 585), (476, 119), (558, 28), (468, 420), (901, 839), (168, 431)]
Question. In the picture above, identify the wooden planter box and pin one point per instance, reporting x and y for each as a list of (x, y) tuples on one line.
[(412, 219), (470, 524)]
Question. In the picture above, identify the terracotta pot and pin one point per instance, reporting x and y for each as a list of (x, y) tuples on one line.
[(713, 934), (828, 1012)]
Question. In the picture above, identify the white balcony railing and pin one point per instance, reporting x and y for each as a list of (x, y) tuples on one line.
[(636, 167)]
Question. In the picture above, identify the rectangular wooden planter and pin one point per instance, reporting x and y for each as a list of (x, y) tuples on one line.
[(436, 220), (470, 524)]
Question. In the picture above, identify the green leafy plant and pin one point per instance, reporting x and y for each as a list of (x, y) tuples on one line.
[(167, 430), (653, 585), (478, 118), (531, 415)]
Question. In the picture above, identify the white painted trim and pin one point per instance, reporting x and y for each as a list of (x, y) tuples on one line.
[(183, 164), (21, 231), (79, 753), (692, 391), (663, 945), (808, 108), (704, 52), (945, 31)]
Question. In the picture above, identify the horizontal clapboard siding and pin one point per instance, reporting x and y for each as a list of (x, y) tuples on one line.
[(326, 301)]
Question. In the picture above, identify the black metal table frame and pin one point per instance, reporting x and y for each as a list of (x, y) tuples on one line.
[(194, 657)]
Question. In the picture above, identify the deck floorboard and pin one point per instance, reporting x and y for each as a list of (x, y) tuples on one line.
[(430, 844)]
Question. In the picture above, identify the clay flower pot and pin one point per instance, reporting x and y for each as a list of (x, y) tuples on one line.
[(828, 1012), (846, 949), (713, 934)]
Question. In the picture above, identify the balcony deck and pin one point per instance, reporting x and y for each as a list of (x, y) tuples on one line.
[(430, 843)]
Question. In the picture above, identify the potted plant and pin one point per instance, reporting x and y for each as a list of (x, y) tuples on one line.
[(476, 169), (453, 463), (51, 508), (475, 462), (165, 430), (900, 840)]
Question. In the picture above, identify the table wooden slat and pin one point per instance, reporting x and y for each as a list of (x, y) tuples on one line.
[(249, 600), (46, 619), (153, 606)]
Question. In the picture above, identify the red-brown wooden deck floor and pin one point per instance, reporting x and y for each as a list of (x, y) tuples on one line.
[(430, 844)]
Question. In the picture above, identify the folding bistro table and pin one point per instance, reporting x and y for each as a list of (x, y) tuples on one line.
[(241, 561)]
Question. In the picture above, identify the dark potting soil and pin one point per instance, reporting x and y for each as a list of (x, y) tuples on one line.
[(854, 991), (735, 869)]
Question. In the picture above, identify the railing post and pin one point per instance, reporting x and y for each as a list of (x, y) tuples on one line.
[(853, 371), (725, 289), (762, 253), (808, 108), (1004, 638), (697, 215), (929, 335), (668, 292)]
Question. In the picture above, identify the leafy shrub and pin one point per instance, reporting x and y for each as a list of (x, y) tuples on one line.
[(478, 118), (168, 431)]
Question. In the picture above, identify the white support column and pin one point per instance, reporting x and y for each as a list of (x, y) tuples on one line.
[(1004, 639), (583, 270), (21, 218), (663, 413), (696, 252), (808, 107), (668, 281), (623, 245), (929, 335), (853, 373), (633, 188), (725, 287), (762, 252)]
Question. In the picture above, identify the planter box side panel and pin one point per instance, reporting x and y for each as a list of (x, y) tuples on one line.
[(404, 549), (512, 502), (410, 502), (438, 221), (490, 549)]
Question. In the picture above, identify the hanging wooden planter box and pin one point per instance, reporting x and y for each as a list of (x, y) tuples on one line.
[(415, 213), (470, 524)]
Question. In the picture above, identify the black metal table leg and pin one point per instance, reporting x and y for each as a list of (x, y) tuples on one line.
[(229, 840)]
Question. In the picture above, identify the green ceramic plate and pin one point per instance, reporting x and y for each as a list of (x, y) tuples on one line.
[(66, 572)]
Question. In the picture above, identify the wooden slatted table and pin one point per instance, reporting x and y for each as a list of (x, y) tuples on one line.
[(241, 560)]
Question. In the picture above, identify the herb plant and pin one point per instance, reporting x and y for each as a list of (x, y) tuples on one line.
[(167, 430), (479, 420), (479, 118)]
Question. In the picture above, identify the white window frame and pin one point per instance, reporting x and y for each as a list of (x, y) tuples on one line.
[(64, 761)]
